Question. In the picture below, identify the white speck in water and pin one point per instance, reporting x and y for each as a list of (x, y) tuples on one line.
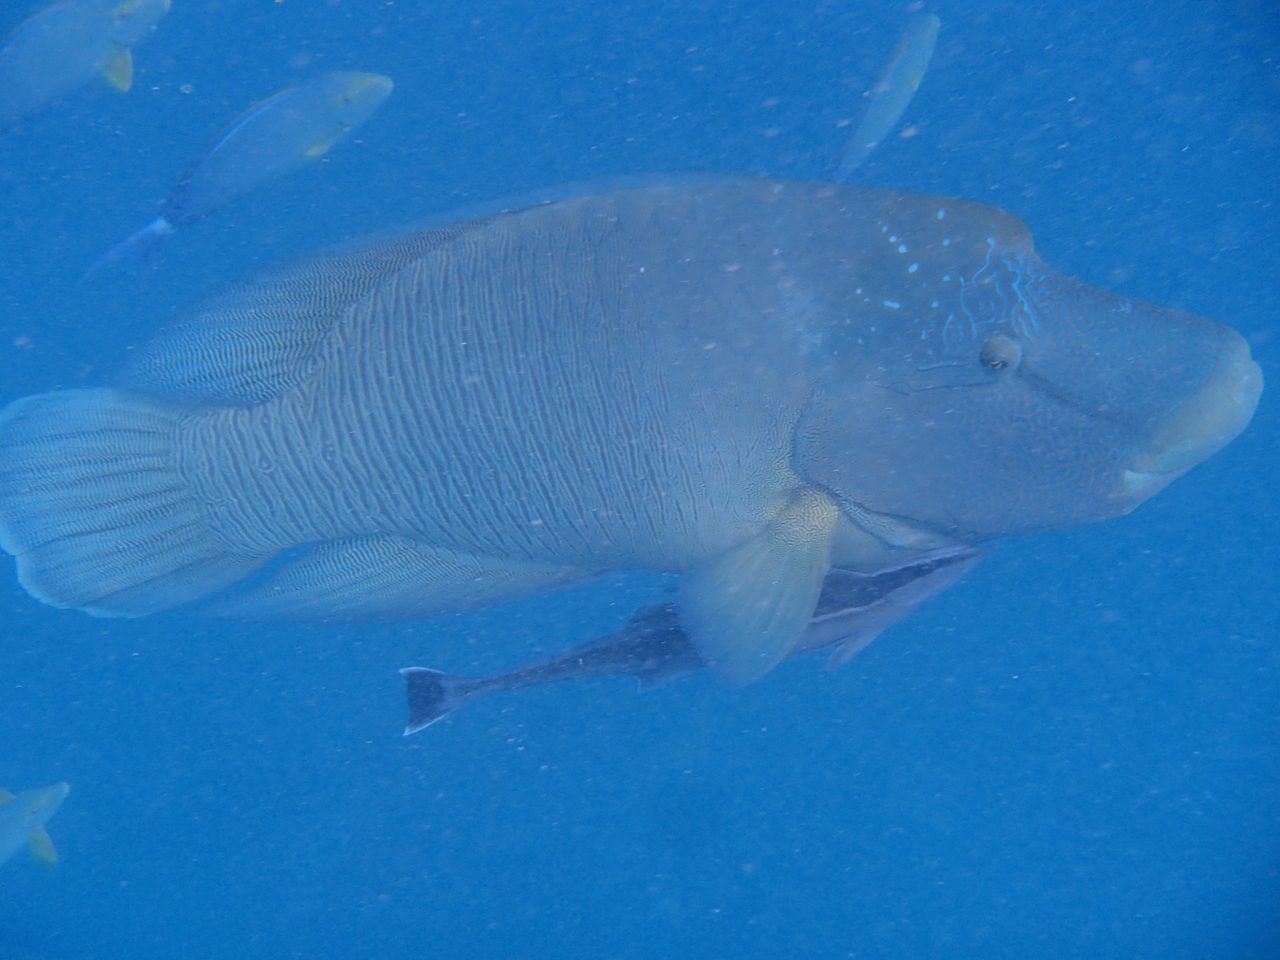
[(946, 278), (893, 239), (941, 214), (893, 304), (946, 242), (902, 248), (913, 268), (935, 304)]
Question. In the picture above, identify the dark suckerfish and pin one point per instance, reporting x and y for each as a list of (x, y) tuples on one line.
[(853, 609), (746, 382)]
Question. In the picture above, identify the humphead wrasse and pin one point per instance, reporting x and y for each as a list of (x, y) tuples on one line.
[(66, 46), (23, 818), (747, 382)]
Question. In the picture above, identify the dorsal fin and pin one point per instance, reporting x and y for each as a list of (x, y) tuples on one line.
[(254, 339)]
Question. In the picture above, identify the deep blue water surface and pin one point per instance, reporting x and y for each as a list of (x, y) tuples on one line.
[(1074, 753)]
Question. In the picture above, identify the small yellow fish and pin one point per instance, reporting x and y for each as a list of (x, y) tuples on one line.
[(65, 46), (22, 820), (294, 126)]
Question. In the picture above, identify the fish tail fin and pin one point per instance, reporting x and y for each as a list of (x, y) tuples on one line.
[(433, 695), (95, 510), (142, 244)]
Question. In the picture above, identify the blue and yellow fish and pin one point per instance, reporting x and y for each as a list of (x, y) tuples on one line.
[(66, 46), (22, 820), (298, 124)]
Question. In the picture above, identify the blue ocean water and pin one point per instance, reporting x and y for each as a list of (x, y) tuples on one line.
[(1074, 753)]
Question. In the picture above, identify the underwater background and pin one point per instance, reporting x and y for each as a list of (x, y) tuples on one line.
[(1073, 753)]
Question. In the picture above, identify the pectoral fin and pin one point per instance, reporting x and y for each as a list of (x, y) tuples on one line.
[(321, 147), (119, 70), (42, 847), (744, 610)]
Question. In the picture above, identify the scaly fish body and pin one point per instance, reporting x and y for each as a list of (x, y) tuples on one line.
[(296, 125), (746, 382), (66, 46), (286, 130)]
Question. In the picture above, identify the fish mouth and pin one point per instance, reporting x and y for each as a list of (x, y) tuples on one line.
[(1213, 417)]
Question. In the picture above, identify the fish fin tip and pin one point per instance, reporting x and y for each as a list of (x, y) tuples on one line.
[(41, 846), (849, 649), (380, 577), (142, 244), (653, 680), (745, 610), (95, 511), (119, 69)]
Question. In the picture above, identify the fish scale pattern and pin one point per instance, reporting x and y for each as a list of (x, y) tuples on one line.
[(499, 396)]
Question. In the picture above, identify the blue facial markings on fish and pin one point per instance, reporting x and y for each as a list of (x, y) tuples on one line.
[(66, 46), (292, 127), (738, 380)]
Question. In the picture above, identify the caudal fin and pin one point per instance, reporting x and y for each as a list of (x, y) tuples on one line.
[(143, 244), (95, 511), (433, 695)]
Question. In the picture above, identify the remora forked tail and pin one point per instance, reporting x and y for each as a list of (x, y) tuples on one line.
[(434, 694), (94, 508), (651, 647)]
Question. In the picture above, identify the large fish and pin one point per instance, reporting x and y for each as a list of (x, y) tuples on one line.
[(23, 818), (853, 609), (290, 128), (746, 382), (67, 45)]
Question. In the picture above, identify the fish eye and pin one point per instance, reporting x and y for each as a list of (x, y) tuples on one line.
[(1000, 354)]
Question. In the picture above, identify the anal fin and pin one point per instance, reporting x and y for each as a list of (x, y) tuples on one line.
[(745, 610), (387, 578), (41, 847)]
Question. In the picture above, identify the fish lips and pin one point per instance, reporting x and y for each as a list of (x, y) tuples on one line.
[(1213, 417)]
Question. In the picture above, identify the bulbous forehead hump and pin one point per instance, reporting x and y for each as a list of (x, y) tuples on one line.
[(943, 223)]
